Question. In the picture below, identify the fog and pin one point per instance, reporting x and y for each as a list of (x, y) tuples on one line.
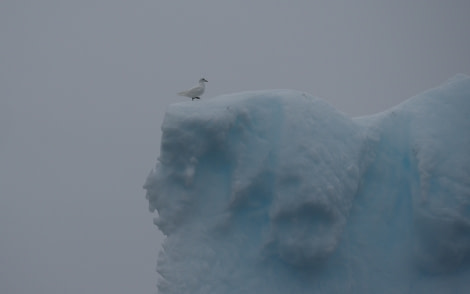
[(84, 86)]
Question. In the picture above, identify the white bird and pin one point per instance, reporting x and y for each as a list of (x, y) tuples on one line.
[(195, 92)]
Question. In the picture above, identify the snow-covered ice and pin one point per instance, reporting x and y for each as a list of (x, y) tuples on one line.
[(278, 192)]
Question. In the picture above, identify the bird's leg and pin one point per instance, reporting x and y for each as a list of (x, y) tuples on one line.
[(195, 98)]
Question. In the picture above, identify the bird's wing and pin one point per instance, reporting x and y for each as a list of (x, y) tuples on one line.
[(194, 92)]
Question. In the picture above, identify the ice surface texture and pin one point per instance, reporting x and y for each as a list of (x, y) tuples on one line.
[(277, 192)]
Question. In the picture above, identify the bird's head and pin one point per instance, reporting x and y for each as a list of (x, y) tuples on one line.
[(202, 80)]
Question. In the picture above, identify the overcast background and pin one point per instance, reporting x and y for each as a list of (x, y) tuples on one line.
[(84, 86)]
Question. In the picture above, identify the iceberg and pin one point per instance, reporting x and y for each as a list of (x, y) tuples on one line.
[(278, 192)]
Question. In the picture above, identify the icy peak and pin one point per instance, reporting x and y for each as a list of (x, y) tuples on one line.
[(277, 192)]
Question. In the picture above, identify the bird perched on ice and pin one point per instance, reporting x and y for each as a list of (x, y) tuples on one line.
[(195, 92)]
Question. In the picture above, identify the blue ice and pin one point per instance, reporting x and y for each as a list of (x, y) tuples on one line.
[(278, 192)]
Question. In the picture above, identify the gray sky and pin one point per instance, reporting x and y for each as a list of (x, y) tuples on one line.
[(84, 86)]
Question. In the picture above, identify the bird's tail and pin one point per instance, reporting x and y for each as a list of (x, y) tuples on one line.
[(182, 93)]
